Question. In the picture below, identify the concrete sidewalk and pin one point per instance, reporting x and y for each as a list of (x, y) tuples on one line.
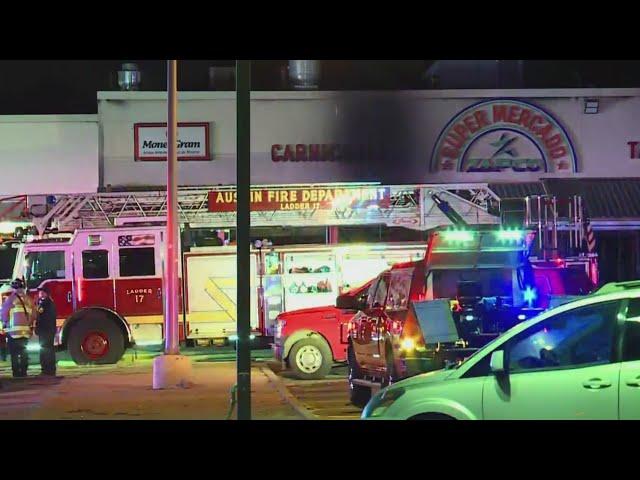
[(126, 393)]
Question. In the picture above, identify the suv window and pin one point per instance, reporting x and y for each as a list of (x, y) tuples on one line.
[(580, 337), (381, 292), (41, 266), (399, 289), (137, 262), (631, 338), (378, 291), (371, 295), (95, 264)]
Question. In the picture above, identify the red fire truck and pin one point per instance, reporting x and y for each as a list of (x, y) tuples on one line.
[(473, 284), (309, 341), (101, 256)]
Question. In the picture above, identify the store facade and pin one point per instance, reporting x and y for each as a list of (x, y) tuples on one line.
[(561, 142)]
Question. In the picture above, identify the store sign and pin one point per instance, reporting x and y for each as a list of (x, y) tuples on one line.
[(150, 141), (503, 135), (321, 152), (304, 199)]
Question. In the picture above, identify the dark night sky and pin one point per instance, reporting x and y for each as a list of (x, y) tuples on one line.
[(70, 86)]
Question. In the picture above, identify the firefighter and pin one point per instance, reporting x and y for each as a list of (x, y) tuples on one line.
[(3, 344), (17, 318), (46, 331)]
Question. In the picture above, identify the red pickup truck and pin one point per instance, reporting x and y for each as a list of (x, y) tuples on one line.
[(309, 341)]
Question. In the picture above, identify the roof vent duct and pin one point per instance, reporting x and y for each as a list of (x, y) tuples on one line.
[(129, 77)]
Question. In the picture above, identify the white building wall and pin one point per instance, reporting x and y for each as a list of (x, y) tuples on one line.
[(43, 154), (405, 125)]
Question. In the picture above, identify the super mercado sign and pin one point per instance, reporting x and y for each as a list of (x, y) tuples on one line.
[(504, 135)]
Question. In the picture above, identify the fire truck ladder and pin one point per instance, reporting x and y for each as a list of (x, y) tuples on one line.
[(410, 206), (548, 216)]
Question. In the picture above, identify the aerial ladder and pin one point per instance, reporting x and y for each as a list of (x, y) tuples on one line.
[(419, 207)]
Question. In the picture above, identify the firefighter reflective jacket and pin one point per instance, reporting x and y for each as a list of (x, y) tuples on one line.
[(17, 315)]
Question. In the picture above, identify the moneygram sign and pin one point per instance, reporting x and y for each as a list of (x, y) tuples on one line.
[(503, 135), (150, 141)]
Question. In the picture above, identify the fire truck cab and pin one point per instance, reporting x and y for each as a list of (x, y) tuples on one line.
[(106, 286)]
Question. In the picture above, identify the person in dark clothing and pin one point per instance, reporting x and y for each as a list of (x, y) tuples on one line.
[(3, 347), (46, 331)]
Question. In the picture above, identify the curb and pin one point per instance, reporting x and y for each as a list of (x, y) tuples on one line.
[(286, 395)]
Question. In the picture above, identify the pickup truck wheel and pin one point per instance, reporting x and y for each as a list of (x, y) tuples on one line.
[(95, 338), (310, 358), (358, 394)]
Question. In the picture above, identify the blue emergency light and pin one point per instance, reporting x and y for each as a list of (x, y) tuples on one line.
[(530, 295)]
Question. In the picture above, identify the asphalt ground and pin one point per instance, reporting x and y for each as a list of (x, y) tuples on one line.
[(33, 397), (124, 390), (325, 399)]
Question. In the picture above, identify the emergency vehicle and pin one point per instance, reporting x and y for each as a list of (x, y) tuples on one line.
[(309, 341), (473, 284), (102, 257)]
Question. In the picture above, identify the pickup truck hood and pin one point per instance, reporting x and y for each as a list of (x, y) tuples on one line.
[(326, 310)]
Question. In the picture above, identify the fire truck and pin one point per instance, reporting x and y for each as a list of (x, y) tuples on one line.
[(310, 340), (473, 284), (101, 256)]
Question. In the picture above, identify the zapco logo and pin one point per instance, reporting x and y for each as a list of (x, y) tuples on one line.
[(502, 136)]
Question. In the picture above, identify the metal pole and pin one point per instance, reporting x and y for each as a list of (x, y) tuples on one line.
[(540, 244), (243, 219), (554, 230), (571, 226), (171, 255)]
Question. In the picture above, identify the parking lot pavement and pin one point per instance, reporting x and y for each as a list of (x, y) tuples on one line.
[(123, 391), (326, 399)]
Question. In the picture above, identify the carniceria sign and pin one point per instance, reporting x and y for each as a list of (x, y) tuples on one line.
[(503, 135)]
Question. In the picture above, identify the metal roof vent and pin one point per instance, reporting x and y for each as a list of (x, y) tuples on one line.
[(129, 77), (304, 74)]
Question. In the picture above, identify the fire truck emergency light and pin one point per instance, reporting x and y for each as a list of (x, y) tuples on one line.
[(457, 236), (530, 295), (510, 235)]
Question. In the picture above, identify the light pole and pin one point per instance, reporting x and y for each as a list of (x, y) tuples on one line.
[(243, 219), (171, 370)]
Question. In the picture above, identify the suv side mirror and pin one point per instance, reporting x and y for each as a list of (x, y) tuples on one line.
[(497, 363)]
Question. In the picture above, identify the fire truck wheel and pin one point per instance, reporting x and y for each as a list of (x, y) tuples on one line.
[(358, 394), (95, 338), (310, 358)]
